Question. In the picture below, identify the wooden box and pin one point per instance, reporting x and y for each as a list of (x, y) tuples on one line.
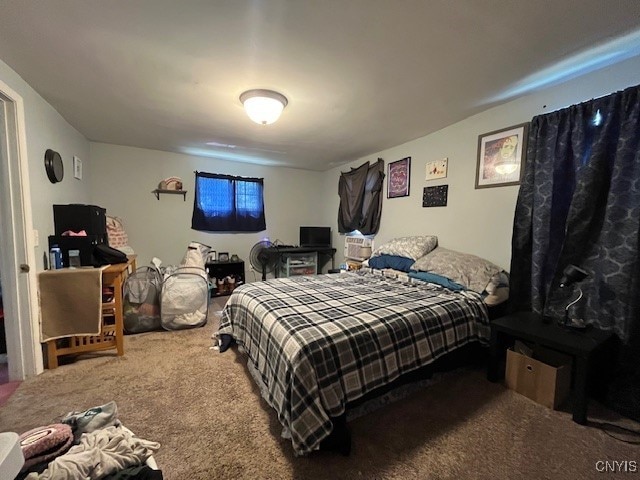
[(545, 383)]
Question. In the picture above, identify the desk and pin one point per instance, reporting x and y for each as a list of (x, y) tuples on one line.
[(112, 330), (275, 254), (582, 345)]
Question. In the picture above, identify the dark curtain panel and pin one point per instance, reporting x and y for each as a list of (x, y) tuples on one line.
[(224, 203), (360, 192), (579, 203)]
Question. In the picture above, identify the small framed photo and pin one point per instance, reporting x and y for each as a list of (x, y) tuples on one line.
[(398, 176), (223, 256), (77, 168), (437, 169), (501, 156)]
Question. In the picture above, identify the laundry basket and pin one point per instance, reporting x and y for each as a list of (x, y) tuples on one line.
[(141, 300), (184, 299)]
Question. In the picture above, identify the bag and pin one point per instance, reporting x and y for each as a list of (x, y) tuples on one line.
[(106, 255), (115, 232)]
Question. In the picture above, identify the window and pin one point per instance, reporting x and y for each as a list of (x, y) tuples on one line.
[(224, 203)]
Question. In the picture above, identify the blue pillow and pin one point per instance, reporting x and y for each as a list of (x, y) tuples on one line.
[(391, 261), (437, 279)]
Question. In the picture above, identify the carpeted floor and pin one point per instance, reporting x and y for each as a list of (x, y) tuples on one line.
[(206, 412)]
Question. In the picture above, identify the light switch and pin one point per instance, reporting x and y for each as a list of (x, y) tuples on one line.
[(36, 238)]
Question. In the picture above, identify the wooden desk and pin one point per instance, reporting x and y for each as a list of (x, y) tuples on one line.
[(112, 330)]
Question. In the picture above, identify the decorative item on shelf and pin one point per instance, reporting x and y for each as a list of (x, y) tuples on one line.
[(223, 257), (570, 275), (170, 185), (235, 258), (212, 257), (501, 156)]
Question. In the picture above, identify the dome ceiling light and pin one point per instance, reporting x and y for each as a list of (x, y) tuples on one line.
[(263, 106)]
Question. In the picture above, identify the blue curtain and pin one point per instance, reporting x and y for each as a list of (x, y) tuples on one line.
[(224, 203), (579, 203)]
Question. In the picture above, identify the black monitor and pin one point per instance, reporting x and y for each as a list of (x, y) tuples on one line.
[(315, 237)]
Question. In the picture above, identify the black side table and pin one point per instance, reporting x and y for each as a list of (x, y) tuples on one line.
[(581, 345)]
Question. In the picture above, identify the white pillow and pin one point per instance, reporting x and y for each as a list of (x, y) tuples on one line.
[(468, 270), (408, 247)]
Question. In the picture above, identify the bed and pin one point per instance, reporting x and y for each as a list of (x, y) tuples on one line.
[(318, 343)]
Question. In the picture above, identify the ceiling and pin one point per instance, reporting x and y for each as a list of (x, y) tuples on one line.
[(360, 75)]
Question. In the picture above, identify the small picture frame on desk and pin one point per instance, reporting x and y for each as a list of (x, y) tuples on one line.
[(223, 256)]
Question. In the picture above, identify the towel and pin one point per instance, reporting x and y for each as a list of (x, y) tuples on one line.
[(70, 302)]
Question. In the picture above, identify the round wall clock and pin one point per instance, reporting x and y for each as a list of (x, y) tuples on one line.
[(53, 166)]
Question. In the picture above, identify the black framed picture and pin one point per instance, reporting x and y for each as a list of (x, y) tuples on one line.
[(223, 256), (398, 176)]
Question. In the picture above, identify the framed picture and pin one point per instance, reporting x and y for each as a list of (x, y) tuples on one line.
[(398, 174), (501, 156), (223, 256), (77, 168), (437, 169)]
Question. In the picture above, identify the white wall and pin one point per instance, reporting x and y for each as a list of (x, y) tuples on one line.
[(46, 128), (124, 178), (474, 221)]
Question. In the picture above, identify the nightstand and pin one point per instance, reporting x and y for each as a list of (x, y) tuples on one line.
[(584, 346)]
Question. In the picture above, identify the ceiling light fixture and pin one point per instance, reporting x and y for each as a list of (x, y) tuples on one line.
[(263, 106)]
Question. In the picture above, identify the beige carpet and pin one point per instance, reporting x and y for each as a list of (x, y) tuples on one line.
[(206, 412)]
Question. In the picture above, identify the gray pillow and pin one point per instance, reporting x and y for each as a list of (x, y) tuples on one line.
[(468, 270), (409, 247)]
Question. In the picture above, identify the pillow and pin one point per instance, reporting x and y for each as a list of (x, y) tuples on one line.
[(410, 247), (468, 270), (391, 261), (437, 279), (497, 290)]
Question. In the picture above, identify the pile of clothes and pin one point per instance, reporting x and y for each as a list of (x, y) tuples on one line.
[(91, 444)]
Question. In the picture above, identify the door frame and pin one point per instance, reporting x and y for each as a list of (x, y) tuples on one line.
[(19, 290)]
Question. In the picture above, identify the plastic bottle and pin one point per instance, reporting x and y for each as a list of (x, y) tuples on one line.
[(55, 257)]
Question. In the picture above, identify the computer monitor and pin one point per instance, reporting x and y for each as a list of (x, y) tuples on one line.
[(315, 237)]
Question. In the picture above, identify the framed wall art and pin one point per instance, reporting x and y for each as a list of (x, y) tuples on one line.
[(501, 156), (435, 196), (77, 168), (436, 169), (398, 176)]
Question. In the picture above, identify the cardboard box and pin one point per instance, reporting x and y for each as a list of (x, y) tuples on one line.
[(546, 383)]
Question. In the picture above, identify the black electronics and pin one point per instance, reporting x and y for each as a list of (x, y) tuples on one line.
[(80, 249), (315, 237), (76, 217)]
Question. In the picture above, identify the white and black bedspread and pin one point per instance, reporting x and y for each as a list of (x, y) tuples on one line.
[(322, 341)]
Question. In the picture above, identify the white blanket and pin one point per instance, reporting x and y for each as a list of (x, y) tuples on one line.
[(99, 453)]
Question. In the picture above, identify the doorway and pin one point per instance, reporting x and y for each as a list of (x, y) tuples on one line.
[(17, 256)]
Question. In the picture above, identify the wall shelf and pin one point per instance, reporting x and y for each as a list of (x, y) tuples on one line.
[(158, 191)]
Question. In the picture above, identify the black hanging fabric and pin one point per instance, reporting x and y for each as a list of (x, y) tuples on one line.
[(224, 203), (360, 192), (579, 203)]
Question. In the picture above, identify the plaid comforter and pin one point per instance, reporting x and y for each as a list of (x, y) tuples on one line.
[(321, 341)]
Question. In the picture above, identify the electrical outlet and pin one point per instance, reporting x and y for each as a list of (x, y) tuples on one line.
[(36, 238)]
